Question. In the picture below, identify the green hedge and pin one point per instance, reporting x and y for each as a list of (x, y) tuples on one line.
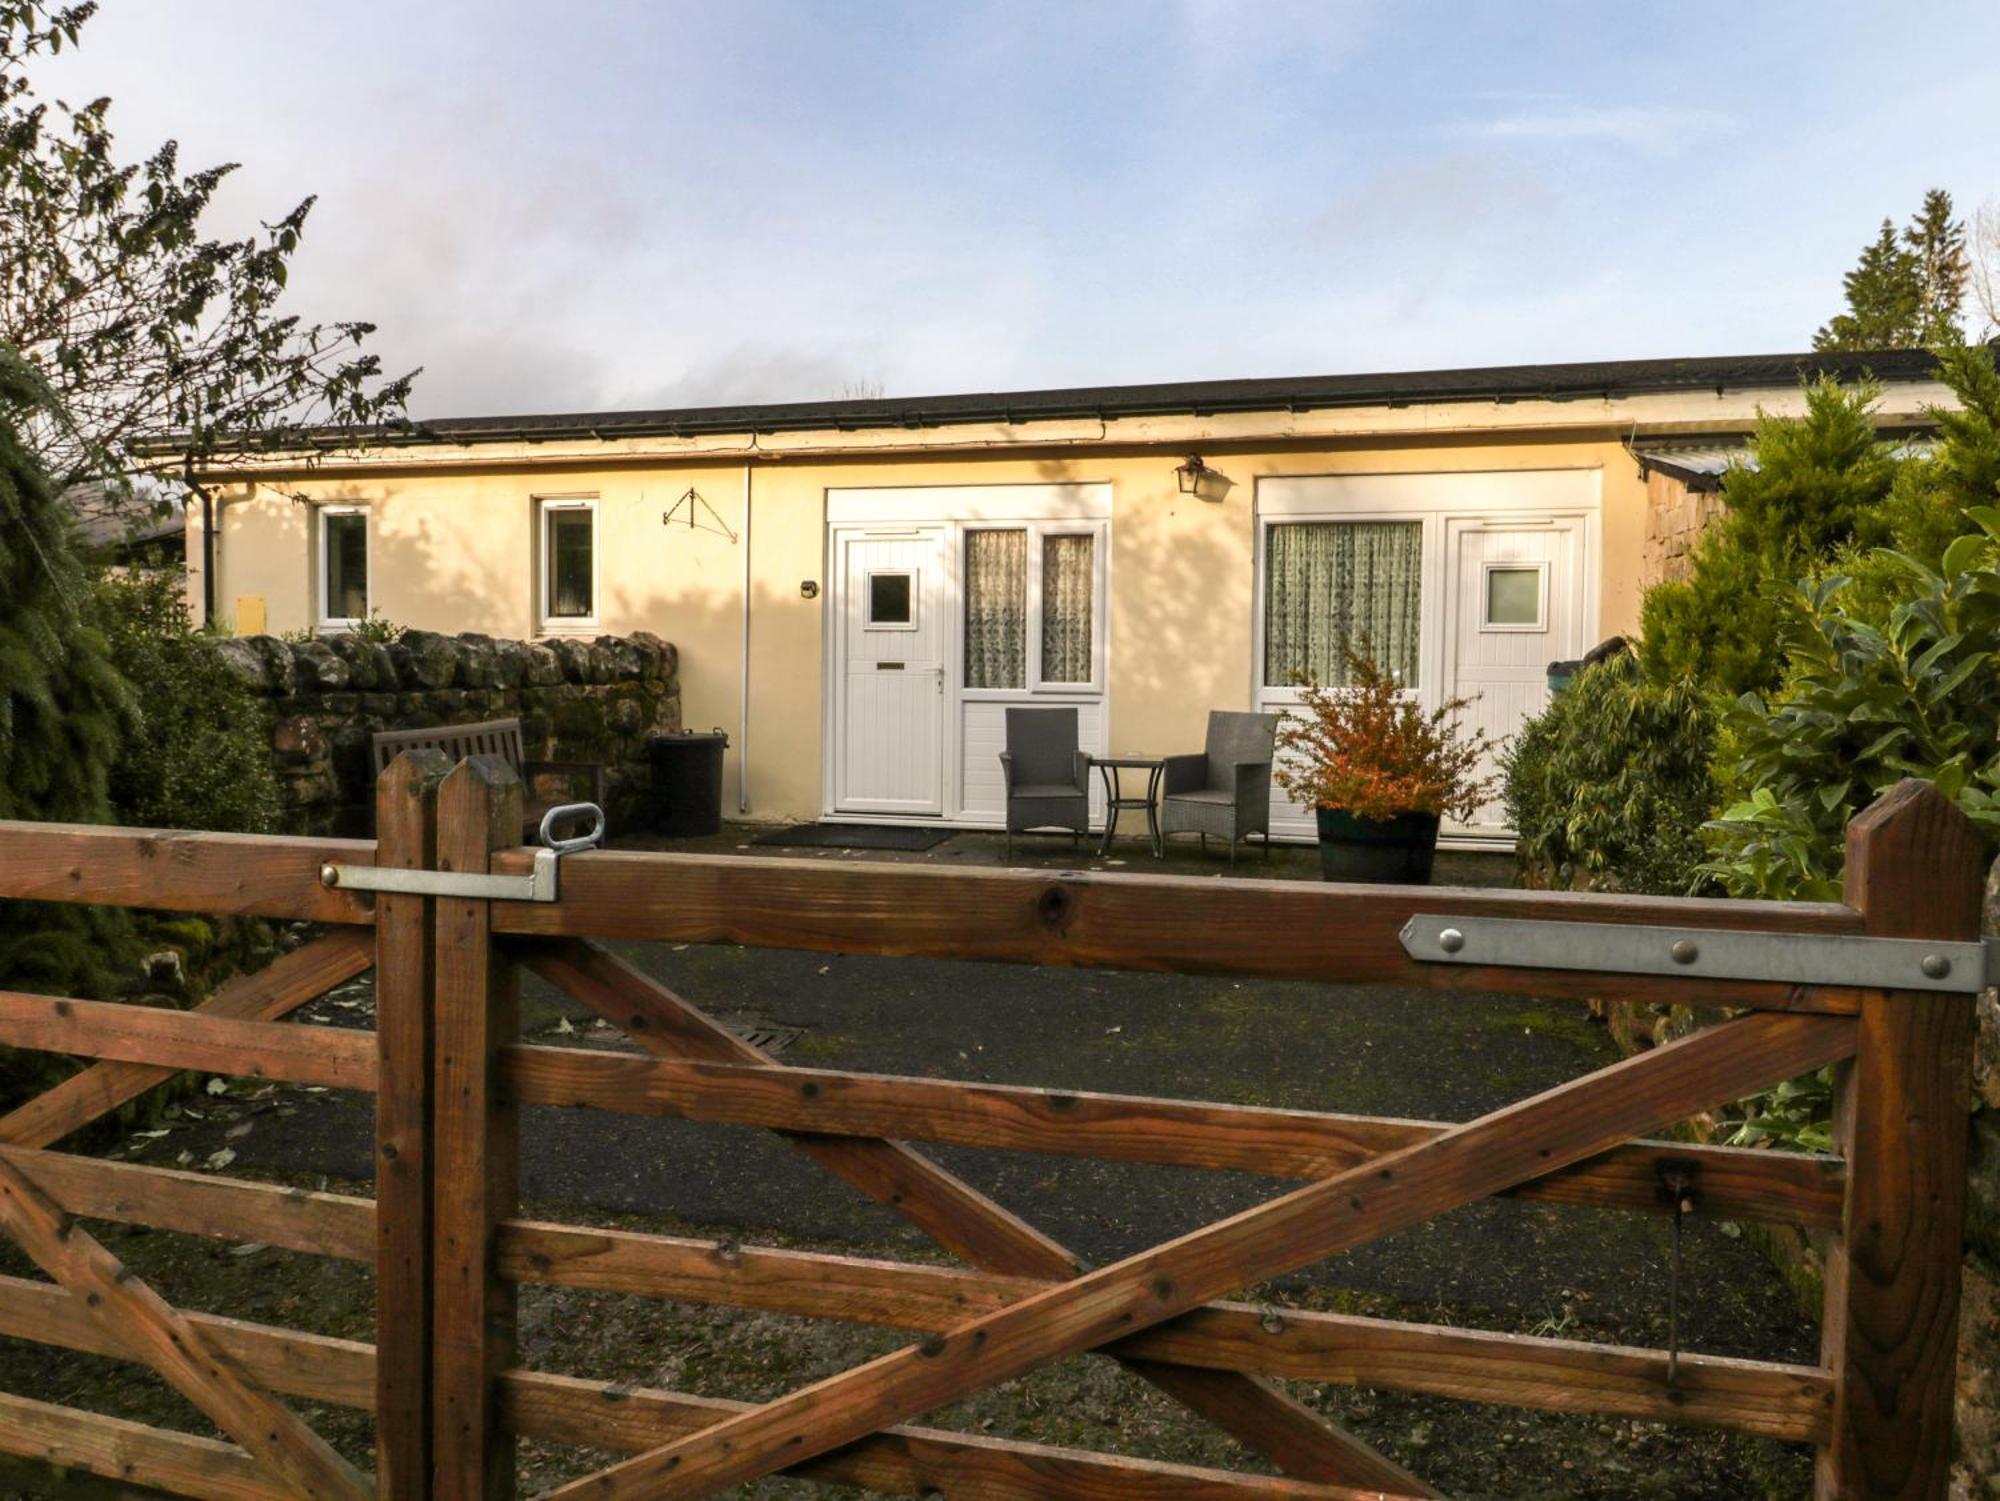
[(201, 757), (1609, 787), (1821, 482)]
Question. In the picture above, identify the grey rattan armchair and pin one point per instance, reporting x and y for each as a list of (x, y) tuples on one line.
[(1047, 775), (1226, 790)]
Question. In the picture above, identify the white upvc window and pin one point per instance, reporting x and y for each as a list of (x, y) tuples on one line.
[(343, 566), (1033, 606), (1334, 586), (566, 540)]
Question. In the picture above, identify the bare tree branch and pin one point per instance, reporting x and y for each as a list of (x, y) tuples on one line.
[(162, 344)]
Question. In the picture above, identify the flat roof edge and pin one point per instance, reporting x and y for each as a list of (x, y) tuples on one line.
[(1594, 381)]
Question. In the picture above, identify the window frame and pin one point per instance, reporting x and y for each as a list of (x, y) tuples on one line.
[(1490, 627), (1034, 684), (1038, 540), (549, 623), (327, 621)]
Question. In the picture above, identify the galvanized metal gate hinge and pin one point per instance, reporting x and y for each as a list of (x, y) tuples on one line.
[(541, 884), (1706, 953)]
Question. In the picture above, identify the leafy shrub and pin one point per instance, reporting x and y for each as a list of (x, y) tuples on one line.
[(374, 626), (1819, 484), (1887, 673), (1933, 491), (202, 757), (1870, 695), (1370, 749), (62, 713), (1796, 1115), (1609, 787)]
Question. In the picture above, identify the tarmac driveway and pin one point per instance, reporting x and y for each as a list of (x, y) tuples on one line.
[(1367, 1050)]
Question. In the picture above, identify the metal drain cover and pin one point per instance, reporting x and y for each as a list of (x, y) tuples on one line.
[(761, 1032)]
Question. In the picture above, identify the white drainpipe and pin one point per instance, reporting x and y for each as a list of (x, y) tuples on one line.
[(743, 670)]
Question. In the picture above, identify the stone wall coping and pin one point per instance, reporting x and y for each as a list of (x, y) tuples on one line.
[(427, 661)]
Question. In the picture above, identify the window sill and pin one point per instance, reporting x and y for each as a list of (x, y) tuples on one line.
[(569, 628), (1029, 695)]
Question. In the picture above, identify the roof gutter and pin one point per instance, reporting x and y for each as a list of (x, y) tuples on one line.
[(753, 426)]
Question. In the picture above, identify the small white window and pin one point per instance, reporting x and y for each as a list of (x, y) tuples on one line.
[(343, 566), (1517, 597), (892, 600), (569, 564)]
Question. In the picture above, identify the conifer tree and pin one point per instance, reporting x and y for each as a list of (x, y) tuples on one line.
[(1936, 491), (1907, 289), (1884, 299), (63, 706), (1819, 484), (1937, 243)]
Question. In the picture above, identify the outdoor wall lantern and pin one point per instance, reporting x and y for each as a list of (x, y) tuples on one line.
[(1202, 480)]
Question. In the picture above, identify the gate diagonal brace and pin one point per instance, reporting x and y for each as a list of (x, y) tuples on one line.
[(1925, 964)]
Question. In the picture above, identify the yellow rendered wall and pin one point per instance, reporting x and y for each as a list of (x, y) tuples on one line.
[(454, 550)]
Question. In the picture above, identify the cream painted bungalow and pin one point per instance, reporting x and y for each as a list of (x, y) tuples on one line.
[(859, 589)]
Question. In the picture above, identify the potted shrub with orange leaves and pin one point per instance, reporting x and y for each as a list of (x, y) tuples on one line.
[(1381, 772)]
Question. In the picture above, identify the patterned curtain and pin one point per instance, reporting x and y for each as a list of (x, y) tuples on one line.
[(1333, 584), (996, 609), (1069, 579)]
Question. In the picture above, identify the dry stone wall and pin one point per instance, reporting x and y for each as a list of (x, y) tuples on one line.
[(577, 700)]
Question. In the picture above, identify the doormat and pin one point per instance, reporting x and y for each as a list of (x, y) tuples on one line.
[(855, 836)]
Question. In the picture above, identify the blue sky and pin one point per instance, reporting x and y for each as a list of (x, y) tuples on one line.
[(561, 207)]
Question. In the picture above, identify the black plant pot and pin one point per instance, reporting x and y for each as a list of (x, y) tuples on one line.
[(1398, 849)]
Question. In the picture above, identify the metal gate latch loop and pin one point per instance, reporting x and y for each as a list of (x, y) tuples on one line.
[(541, 884)]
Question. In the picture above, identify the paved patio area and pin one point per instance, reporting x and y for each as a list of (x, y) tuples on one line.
[(1130, 853)]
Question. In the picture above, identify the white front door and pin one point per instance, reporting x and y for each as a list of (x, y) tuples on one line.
[(894, 625), (1513, 604)]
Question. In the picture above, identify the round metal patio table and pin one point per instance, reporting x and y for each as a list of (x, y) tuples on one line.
[(1115, 802)]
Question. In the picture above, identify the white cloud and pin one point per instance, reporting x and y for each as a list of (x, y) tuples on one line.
[(1658, 127), (656, 204)]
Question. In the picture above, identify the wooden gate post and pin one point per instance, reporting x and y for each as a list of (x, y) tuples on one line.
[(475, 1144), (405, 977), (1915, 869)]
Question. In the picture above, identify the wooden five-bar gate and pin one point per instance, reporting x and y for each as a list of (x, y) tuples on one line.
[(449, 1247)]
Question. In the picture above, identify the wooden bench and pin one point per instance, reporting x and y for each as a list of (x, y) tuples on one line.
[(545, 784)]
